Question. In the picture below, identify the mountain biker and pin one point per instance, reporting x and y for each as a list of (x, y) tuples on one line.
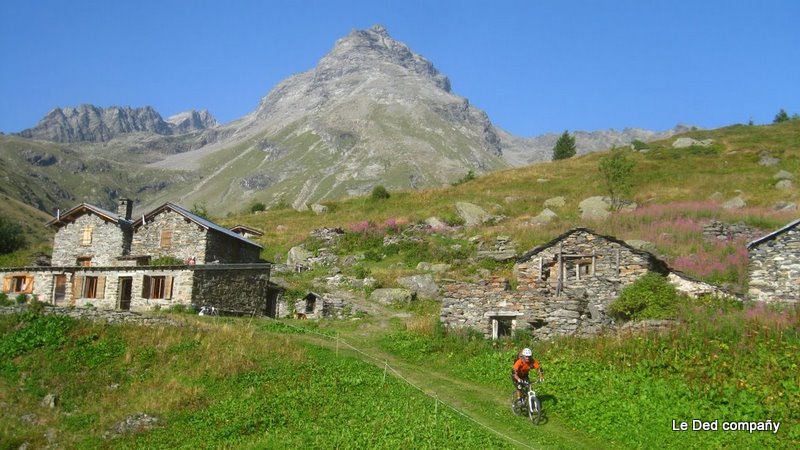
[(522, 366)]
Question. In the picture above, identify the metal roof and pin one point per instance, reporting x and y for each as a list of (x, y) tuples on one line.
[(775, 233)]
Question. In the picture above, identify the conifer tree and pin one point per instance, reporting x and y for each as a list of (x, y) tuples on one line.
[(565, 147)]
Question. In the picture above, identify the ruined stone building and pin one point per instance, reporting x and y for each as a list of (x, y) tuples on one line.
[(166, 257), (563, 287), (774, 266)]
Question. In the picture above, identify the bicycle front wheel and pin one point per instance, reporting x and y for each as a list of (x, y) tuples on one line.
[(516, 405), (534, 410)]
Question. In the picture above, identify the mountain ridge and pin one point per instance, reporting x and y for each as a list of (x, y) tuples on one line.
[(371, 112)]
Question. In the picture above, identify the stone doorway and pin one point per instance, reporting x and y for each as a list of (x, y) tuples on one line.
[(59, 289), (125, 289), (502, 326)]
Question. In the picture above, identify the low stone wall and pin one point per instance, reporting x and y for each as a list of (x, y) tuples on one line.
[(103, 315), (775, 269)]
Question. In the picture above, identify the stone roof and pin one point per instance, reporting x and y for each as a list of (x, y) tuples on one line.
[(774, 234), (205, 223), (649, 256), (85, 208)]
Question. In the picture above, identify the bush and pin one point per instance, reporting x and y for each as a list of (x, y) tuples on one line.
[(379, 193), (22, 299), (167, 261), (12, 237), (257, 207), (468, 177), (4, 300), (649, 297)]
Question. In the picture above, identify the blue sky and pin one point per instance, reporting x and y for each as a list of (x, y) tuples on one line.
[(533, 66)]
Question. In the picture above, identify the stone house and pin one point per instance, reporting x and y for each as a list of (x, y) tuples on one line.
[(774, 266), (104, 259), (563, 287)]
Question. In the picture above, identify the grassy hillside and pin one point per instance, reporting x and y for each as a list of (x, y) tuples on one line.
[(237, 382), (677, 190)]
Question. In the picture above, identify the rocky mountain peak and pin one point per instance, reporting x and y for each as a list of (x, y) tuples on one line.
[(373, 49), (90, 123), (192, 120)]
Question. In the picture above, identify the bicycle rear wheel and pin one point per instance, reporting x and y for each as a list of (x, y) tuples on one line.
[(535, 410)]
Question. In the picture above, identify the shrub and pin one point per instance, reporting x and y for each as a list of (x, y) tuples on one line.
[(4, 300), (649, 297), (468, 177), (22, 299), (379, 193), (166, 261), (257, 207), (12, 237)]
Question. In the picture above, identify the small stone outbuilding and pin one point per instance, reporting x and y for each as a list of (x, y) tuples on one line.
[(563, 287), (774, 266)]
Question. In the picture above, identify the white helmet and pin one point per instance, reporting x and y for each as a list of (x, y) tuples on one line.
[(527, 352)]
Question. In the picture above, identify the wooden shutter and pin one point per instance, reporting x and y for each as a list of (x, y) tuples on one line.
[(100, 291), (28, 285), (7, 283), (166, 238), (146, 286), (168, 287), (77, 287)]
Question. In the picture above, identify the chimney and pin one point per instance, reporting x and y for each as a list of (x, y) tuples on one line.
[(125, 208)]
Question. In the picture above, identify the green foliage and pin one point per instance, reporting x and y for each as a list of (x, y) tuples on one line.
[(781, 116), (617, 171), (22, 299), (201, 210), (12, 236), (565, 147), (379, 193), (281, 204), (466, 178), (649, 297), (166, 261), (257, 207), (4, 300), (638, 145)]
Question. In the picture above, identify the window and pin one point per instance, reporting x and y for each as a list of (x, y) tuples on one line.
[(89, 286), (502, 326), (86, 235), (20, 284), (158, 286), (166, 238), (85, 261)]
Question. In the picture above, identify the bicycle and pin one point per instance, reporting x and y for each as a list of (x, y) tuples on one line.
[(208, 311), (528, 403)]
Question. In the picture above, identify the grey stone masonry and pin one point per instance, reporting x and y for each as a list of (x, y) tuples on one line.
[(774, 266), (170, 234), (91, 238), (562, 288), (234, 288)]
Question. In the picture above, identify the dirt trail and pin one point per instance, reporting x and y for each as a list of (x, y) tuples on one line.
[(480, 403)]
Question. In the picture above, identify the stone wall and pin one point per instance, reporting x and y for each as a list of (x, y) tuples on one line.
[(230, 287), (108, 242), (93, 314), (593, 269), (775, 268), (187, 238), (227, 249), (233, 289)]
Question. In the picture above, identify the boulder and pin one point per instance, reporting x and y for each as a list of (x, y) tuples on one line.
[(767, 160), (785, 206), (685, 142), (319, 209), (784, 184), (594, 208), (472, 214), (544, 217), (388, 296), (435, 223), (783, 175), (555, 202), (735, 203), (422, 285), (298, 256)]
